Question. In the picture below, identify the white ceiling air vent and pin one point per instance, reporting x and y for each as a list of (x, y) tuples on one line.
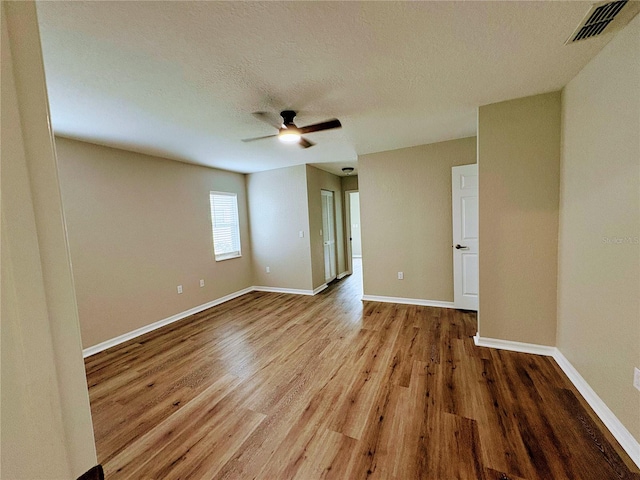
[(597, 20)]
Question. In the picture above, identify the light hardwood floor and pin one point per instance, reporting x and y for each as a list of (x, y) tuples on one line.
[(276, 386)]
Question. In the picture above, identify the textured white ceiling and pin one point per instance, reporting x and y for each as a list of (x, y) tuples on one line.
[(180, 79)]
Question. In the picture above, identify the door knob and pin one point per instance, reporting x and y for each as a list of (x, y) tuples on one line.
[(458, 246)]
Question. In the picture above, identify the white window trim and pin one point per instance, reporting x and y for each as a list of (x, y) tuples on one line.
[(227, 255)]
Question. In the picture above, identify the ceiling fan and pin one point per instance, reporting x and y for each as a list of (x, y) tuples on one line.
[(288, 132)]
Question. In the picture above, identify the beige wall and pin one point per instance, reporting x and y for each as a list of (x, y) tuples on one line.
[(318, 180), (405, 208), (278, 205), (46, 421), (599, 255), (518, 167), (349, 182), (139, 226)]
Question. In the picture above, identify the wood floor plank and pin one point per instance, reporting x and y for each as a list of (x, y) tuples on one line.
[(491, 474), (172, 436), (457, 443), (503, 448), (276, 386), (325, 457)]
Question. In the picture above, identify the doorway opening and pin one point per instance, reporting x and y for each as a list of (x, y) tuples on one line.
[(329, 235), (353, 233)]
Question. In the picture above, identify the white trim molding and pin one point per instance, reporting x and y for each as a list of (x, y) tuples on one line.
[(317, 290), (292, 291), (615, 426), (87, 352), (342, 275), (514, 346), (407, 301)]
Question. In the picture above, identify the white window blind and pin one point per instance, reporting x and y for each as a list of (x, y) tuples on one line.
[(224, 222)]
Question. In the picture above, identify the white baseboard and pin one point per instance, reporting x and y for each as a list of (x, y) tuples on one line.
[(319, 289), (407, 301), (615, 426), (87, 352), (342, 275), (514, 346), (293, 291)]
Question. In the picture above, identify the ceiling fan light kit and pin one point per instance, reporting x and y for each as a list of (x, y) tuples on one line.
[(288, 132), (289, 135)]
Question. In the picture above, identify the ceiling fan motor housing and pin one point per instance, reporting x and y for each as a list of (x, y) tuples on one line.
[(287, 117)]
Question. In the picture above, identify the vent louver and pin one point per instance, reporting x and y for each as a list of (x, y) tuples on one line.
[(597, 20)]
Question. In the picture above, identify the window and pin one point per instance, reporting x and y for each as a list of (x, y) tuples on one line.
[(224, 222)]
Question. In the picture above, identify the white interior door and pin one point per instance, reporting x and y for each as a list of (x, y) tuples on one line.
[(329, 235), (465, 236)]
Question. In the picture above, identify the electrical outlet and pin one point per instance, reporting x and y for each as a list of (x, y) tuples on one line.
[(320, 232), (301, 233), (400, 275), (268, 269), (179, 288), (636, 377), (201, 282)]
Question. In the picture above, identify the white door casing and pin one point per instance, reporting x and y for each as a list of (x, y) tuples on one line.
[(465, 236), (329, 235)]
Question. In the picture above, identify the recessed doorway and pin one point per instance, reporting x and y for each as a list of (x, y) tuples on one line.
[(329, 235)]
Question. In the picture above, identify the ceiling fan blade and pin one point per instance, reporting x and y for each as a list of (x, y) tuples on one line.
[(271, 118), (258, 138), (317, 127), (304, 143)]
